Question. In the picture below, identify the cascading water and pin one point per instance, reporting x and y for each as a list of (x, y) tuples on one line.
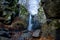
[(32, 7), (30, 23)]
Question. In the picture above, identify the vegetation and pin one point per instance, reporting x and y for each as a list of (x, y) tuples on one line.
[(51, 8)]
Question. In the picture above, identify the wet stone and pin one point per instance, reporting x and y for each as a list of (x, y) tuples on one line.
[(25, 36), (36, 33)]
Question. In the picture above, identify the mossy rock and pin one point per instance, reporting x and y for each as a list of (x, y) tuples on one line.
[(52, 8)]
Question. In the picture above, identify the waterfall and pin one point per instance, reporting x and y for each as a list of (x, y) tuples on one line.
[(32, 7), (30, 23)]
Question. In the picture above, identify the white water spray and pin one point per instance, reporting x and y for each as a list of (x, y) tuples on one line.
[(32, 7)]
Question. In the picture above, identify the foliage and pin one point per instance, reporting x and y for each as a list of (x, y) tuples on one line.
[(24, 12)]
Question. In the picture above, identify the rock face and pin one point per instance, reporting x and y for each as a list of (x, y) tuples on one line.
[(51, 8), (52, 11)]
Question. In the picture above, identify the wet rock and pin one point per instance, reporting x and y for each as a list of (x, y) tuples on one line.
[(25, 36), (36, 33)]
